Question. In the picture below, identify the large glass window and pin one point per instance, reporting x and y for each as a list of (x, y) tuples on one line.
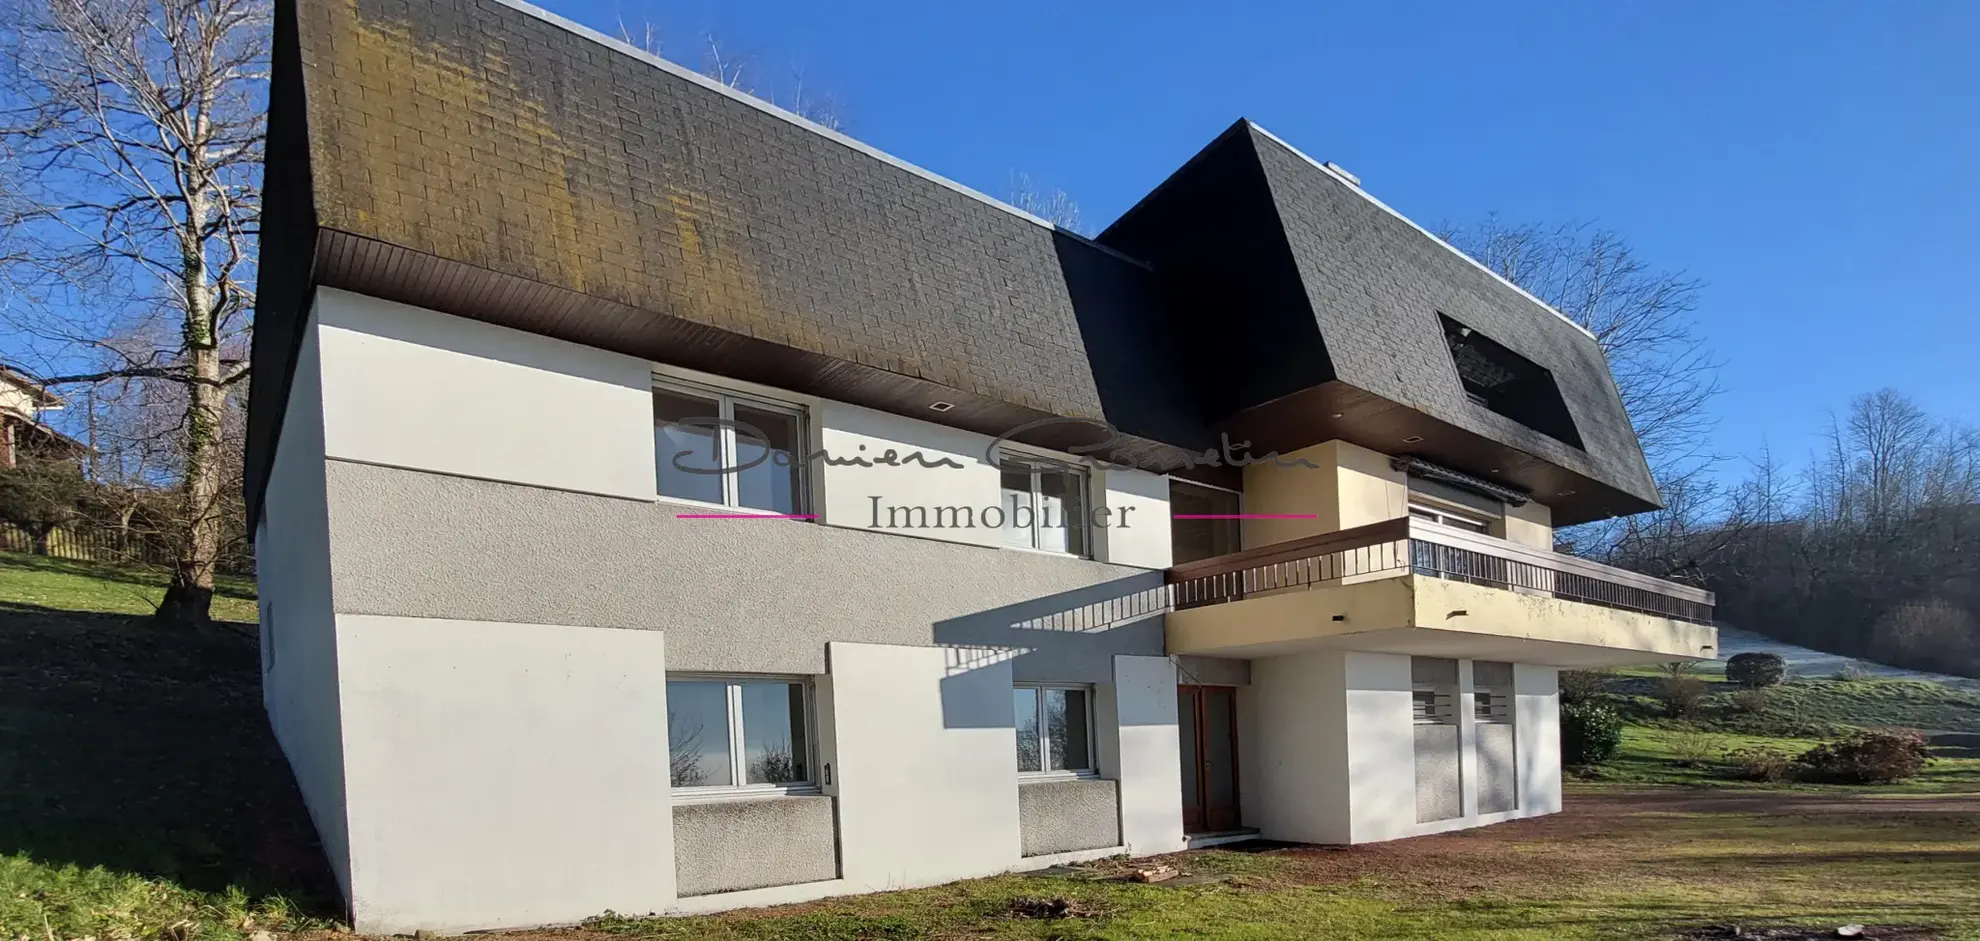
[(717, 448), (1054, 729), (1195, 539), (742, 733), (1044, 505)]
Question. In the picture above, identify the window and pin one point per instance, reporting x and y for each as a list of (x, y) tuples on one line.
[(1433, 690), (1499, 380), (1054, 729), (697, 433), (1046, 503), (1436, 514), (748, 734), (1192, 540), (1492, 692)]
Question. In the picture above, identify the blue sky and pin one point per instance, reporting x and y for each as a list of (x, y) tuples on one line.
[(1813, 163)]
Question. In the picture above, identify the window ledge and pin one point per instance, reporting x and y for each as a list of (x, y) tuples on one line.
[(1049, 777), (716, 795)]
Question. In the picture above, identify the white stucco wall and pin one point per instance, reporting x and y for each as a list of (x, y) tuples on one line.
[(292, 556), (1381, 746), (1139, 749), (409, 387), (503, 774), (414, 388), (1293, 748), (1537, 730), (924, 754)]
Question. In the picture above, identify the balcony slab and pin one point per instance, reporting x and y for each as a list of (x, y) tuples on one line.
[(1429, 616)]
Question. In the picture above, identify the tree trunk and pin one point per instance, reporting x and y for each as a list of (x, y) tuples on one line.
[(188, 600)]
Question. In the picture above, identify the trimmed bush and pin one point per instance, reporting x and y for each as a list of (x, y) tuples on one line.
[(1590, 733), (1756, 670), (1875, 756)]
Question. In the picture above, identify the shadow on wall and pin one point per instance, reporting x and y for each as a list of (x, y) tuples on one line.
[(1046, 655), (147, 752)]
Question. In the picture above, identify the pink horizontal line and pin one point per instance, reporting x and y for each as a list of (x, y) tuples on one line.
[(1245, 516), (745, 516)]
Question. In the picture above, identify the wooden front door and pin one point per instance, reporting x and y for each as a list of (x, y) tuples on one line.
[(1207, 725)]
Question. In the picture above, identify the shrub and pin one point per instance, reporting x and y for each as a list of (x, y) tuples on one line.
[(1590, 733), (1876, 756), (1760, 763), (1756, 670), (1850, 672), (1693, 749), (1681, 695), (1753, 701), (1584, 685)]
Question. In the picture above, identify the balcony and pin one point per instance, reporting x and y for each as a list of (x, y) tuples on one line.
[(1411, 586)]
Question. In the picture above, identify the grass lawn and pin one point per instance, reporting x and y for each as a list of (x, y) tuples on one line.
[(69, 585), (142, 796), (140, 788)]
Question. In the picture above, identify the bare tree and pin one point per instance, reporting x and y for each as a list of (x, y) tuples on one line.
[(131, 139), (1640, 315), (737, 70), (1056, 206)]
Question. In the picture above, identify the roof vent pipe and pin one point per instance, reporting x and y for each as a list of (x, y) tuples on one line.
[(1351, 178)]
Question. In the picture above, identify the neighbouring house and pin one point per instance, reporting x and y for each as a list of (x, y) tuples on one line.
[(22, 402), (548, 328)]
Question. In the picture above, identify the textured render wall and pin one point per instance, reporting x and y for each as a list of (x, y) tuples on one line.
[(503, 775), (768, 595), (412, 388), (1137, 530), (1062, 816), (1498, 771), (1437, 761), (1139, 749), (722, 846), (924, 748), (1293, 758), (292, 555)]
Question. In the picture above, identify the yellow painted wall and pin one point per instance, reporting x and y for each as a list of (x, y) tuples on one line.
[(1353, 486), (1529, 525)]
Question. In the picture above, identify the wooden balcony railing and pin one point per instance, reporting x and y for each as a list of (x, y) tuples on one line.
[(1413, 546)]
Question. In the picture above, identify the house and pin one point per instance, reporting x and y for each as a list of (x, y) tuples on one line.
[(22, 431), (554, 339)]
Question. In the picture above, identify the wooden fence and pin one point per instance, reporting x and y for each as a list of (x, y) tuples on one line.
[(111, 547)]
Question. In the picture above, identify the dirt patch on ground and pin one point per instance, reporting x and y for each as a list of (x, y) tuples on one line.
[(1743, 933), (1606, 836)]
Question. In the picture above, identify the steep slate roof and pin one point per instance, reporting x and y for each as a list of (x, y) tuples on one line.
[(490, 160), (1341, 293)]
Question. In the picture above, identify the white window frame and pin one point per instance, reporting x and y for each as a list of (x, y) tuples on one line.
[(1442, 515), (1039, 463), (738, 759), (726, 401), (1045, 745)]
